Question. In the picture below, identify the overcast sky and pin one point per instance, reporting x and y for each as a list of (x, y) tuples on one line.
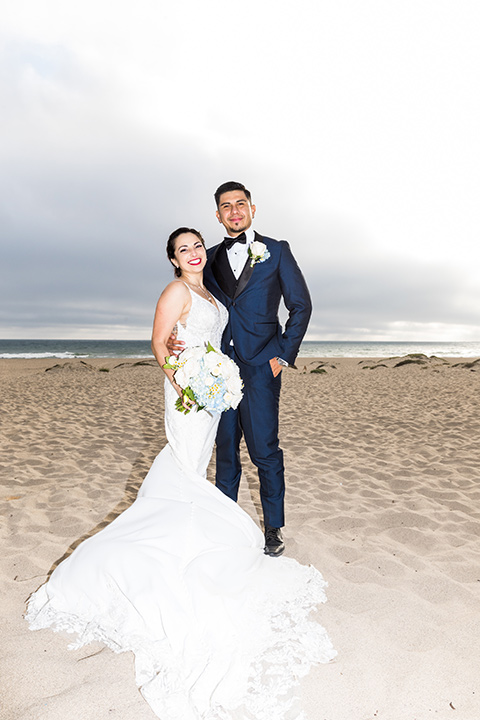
[(355, 124)]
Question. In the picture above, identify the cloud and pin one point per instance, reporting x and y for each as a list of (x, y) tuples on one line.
[(361, 149), (377, 297)]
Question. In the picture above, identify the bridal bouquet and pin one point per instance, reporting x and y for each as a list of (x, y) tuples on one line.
[(207, 377)]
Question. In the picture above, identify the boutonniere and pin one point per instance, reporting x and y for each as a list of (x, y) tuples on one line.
[(257, 252)]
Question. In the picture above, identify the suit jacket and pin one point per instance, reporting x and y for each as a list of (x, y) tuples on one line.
[(254, 299)]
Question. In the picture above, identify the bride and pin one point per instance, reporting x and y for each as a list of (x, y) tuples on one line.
[(219, 630)]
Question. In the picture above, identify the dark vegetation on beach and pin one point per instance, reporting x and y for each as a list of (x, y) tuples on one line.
[(420, 359), (315, 367), (424, 361)]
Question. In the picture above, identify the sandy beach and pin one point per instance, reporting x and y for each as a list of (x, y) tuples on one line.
[(383, 497)]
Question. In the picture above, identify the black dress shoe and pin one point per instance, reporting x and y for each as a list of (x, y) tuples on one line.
[(274, 545)]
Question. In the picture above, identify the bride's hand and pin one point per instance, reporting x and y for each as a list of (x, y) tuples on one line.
[(187, 403), (183, 399)]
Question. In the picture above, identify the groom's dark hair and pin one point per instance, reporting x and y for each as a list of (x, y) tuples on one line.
[(228, 187)]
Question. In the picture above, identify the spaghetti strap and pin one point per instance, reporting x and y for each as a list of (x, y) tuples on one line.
[(207, 297)]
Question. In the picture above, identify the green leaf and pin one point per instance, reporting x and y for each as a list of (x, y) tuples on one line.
[(188, 392), (210, 348), (180, 407), (168, 365)]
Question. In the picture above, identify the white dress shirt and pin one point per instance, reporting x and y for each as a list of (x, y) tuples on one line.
[(238, 253)]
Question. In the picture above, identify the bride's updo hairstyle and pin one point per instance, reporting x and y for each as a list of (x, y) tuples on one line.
[(171, 243)]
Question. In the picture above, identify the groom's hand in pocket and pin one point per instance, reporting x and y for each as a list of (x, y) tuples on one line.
[(276, 367)]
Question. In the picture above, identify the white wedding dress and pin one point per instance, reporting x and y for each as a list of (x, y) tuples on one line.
[(220, 631)]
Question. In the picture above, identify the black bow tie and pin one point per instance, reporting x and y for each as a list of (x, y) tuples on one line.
[(230, 241)]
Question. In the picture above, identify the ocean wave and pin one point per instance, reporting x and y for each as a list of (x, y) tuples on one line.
[(70, 349), (35, 355)]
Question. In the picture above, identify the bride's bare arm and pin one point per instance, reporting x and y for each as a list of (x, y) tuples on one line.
[(173, 307)]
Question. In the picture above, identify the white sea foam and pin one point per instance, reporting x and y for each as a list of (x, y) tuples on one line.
[(33, 355)]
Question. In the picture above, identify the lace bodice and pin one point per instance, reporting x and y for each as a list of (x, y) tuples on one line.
[(205, 322)]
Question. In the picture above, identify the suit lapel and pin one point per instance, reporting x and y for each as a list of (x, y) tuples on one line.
[(247, 271), (244, 278), (222, 271)]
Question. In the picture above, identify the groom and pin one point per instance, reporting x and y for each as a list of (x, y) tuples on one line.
[(250, 273)]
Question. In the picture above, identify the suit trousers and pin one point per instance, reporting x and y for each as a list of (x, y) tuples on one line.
[(257, 419)]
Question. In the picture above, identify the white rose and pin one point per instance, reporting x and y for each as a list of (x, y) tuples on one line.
[(172, 360), (193, 366), (186, 372), (211, 360), (234, 385), (190, 365), (257, 248), (191, 352), (182, 377), (229, 369), (236, 400)]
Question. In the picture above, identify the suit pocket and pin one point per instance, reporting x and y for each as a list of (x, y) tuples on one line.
[(266, 324)]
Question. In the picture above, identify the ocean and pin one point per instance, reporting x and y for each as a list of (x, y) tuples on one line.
[(67, 349)]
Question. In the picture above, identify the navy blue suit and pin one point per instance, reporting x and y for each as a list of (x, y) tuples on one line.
[(252, 302)]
